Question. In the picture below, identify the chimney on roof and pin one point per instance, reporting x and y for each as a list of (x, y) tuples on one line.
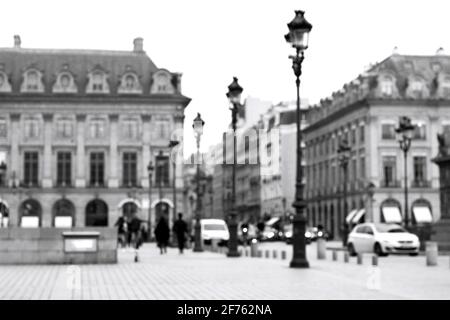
[(395, 50), (17, 41), (440, 51), (138, 45)]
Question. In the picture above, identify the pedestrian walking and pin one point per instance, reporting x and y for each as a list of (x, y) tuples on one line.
[(134, 228), (162, 234), (121, 225), (180, 228)]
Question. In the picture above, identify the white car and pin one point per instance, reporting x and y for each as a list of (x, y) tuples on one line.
[(216, 229), (382, 239)]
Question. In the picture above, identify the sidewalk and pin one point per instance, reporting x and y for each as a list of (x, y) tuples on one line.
[(209, 275)]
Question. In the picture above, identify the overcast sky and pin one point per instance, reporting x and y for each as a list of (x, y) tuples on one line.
[(212, 41)]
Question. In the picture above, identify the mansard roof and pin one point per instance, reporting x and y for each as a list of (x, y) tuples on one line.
[(50, 62)]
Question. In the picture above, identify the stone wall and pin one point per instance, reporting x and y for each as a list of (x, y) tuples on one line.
[(46, 246)]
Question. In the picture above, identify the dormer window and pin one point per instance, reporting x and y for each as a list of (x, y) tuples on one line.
[(4, 84), (445, 87), (162, 83), (417, 88), (387, 86), (65, 83), (129, 84), (32, 81), (97, 82)]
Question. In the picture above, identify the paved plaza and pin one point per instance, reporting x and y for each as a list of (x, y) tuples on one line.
[(210, 275)]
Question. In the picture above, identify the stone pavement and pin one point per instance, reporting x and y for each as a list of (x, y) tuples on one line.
[(210, 275)]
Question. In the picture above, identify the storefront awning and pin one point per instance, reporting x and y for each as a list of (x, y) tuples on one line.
[(358, 215), (392, 215), (422, 215), (272, 221), (350, 216)]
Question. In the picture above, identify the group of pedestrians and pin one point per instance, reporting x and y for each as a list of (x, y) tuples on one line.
[(162, 233), (132, 232)]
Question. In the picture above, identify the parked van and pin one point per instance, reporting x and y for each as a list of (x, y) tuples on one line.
[(213, 229)]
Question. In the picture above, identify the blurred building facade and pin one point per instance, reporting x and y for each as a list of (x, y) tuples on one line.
[(77, 131), (365, 113)]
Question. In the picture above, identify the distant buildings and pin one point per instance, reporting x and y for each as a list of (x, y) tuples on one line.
[(366, 112)]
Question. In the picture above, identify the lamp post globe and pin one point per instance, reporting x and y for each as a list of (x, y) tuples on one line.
[(404, 133), (198, 130), (298, 37), (234, 96)]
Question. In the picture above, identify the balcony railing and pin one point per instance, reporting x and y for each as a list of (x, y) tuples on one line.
[(390, 184), (421, 184)]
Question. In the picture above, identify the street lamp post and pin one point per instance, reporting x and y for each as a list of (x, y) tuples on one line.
[(404, 136), (3, 177), (298, 37), (198, 129), (343, 158), (150, 169), (234, 96)]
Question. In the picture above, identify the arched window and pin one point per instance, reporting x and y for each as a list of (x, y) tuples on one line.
[(129, 83), (97, 82), (162, 82), (32, 81), (445, 87), (65, 83), (63, 214), (129, 209), (4, 214), (30, 214), (4, 84), (96, 214)]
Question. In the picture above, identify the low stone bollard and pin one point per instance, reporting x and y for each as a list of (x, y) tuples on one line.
[(215, 245), (431, 250), (346, 257), (254, 248), (335, 255), (359, 259), (375, 260), (259, 253), (267, 254), (274, 254), (246, 252), (321, 249), (283, 255)]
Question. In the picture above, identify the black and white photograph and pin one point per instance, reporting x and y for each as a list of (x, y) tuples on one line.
[(241, 152)]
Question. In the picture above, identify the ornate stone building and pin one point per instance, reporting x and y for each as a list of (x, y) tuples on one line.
[(78, 129), (365, 113)]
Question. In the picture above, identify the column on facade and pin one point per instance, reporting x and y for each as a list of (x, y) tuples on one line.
[(144, 172), (47, 178), (433, 172), (113, 179), (13, 164), (178, 129), (80, 180)]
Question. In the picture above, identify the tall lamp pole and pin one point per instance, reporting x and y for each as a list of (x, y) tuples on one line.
[(2, 205), (234, 96), (150, 169), (343, 158), (298, 37), (198, 129), (404, 136)]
